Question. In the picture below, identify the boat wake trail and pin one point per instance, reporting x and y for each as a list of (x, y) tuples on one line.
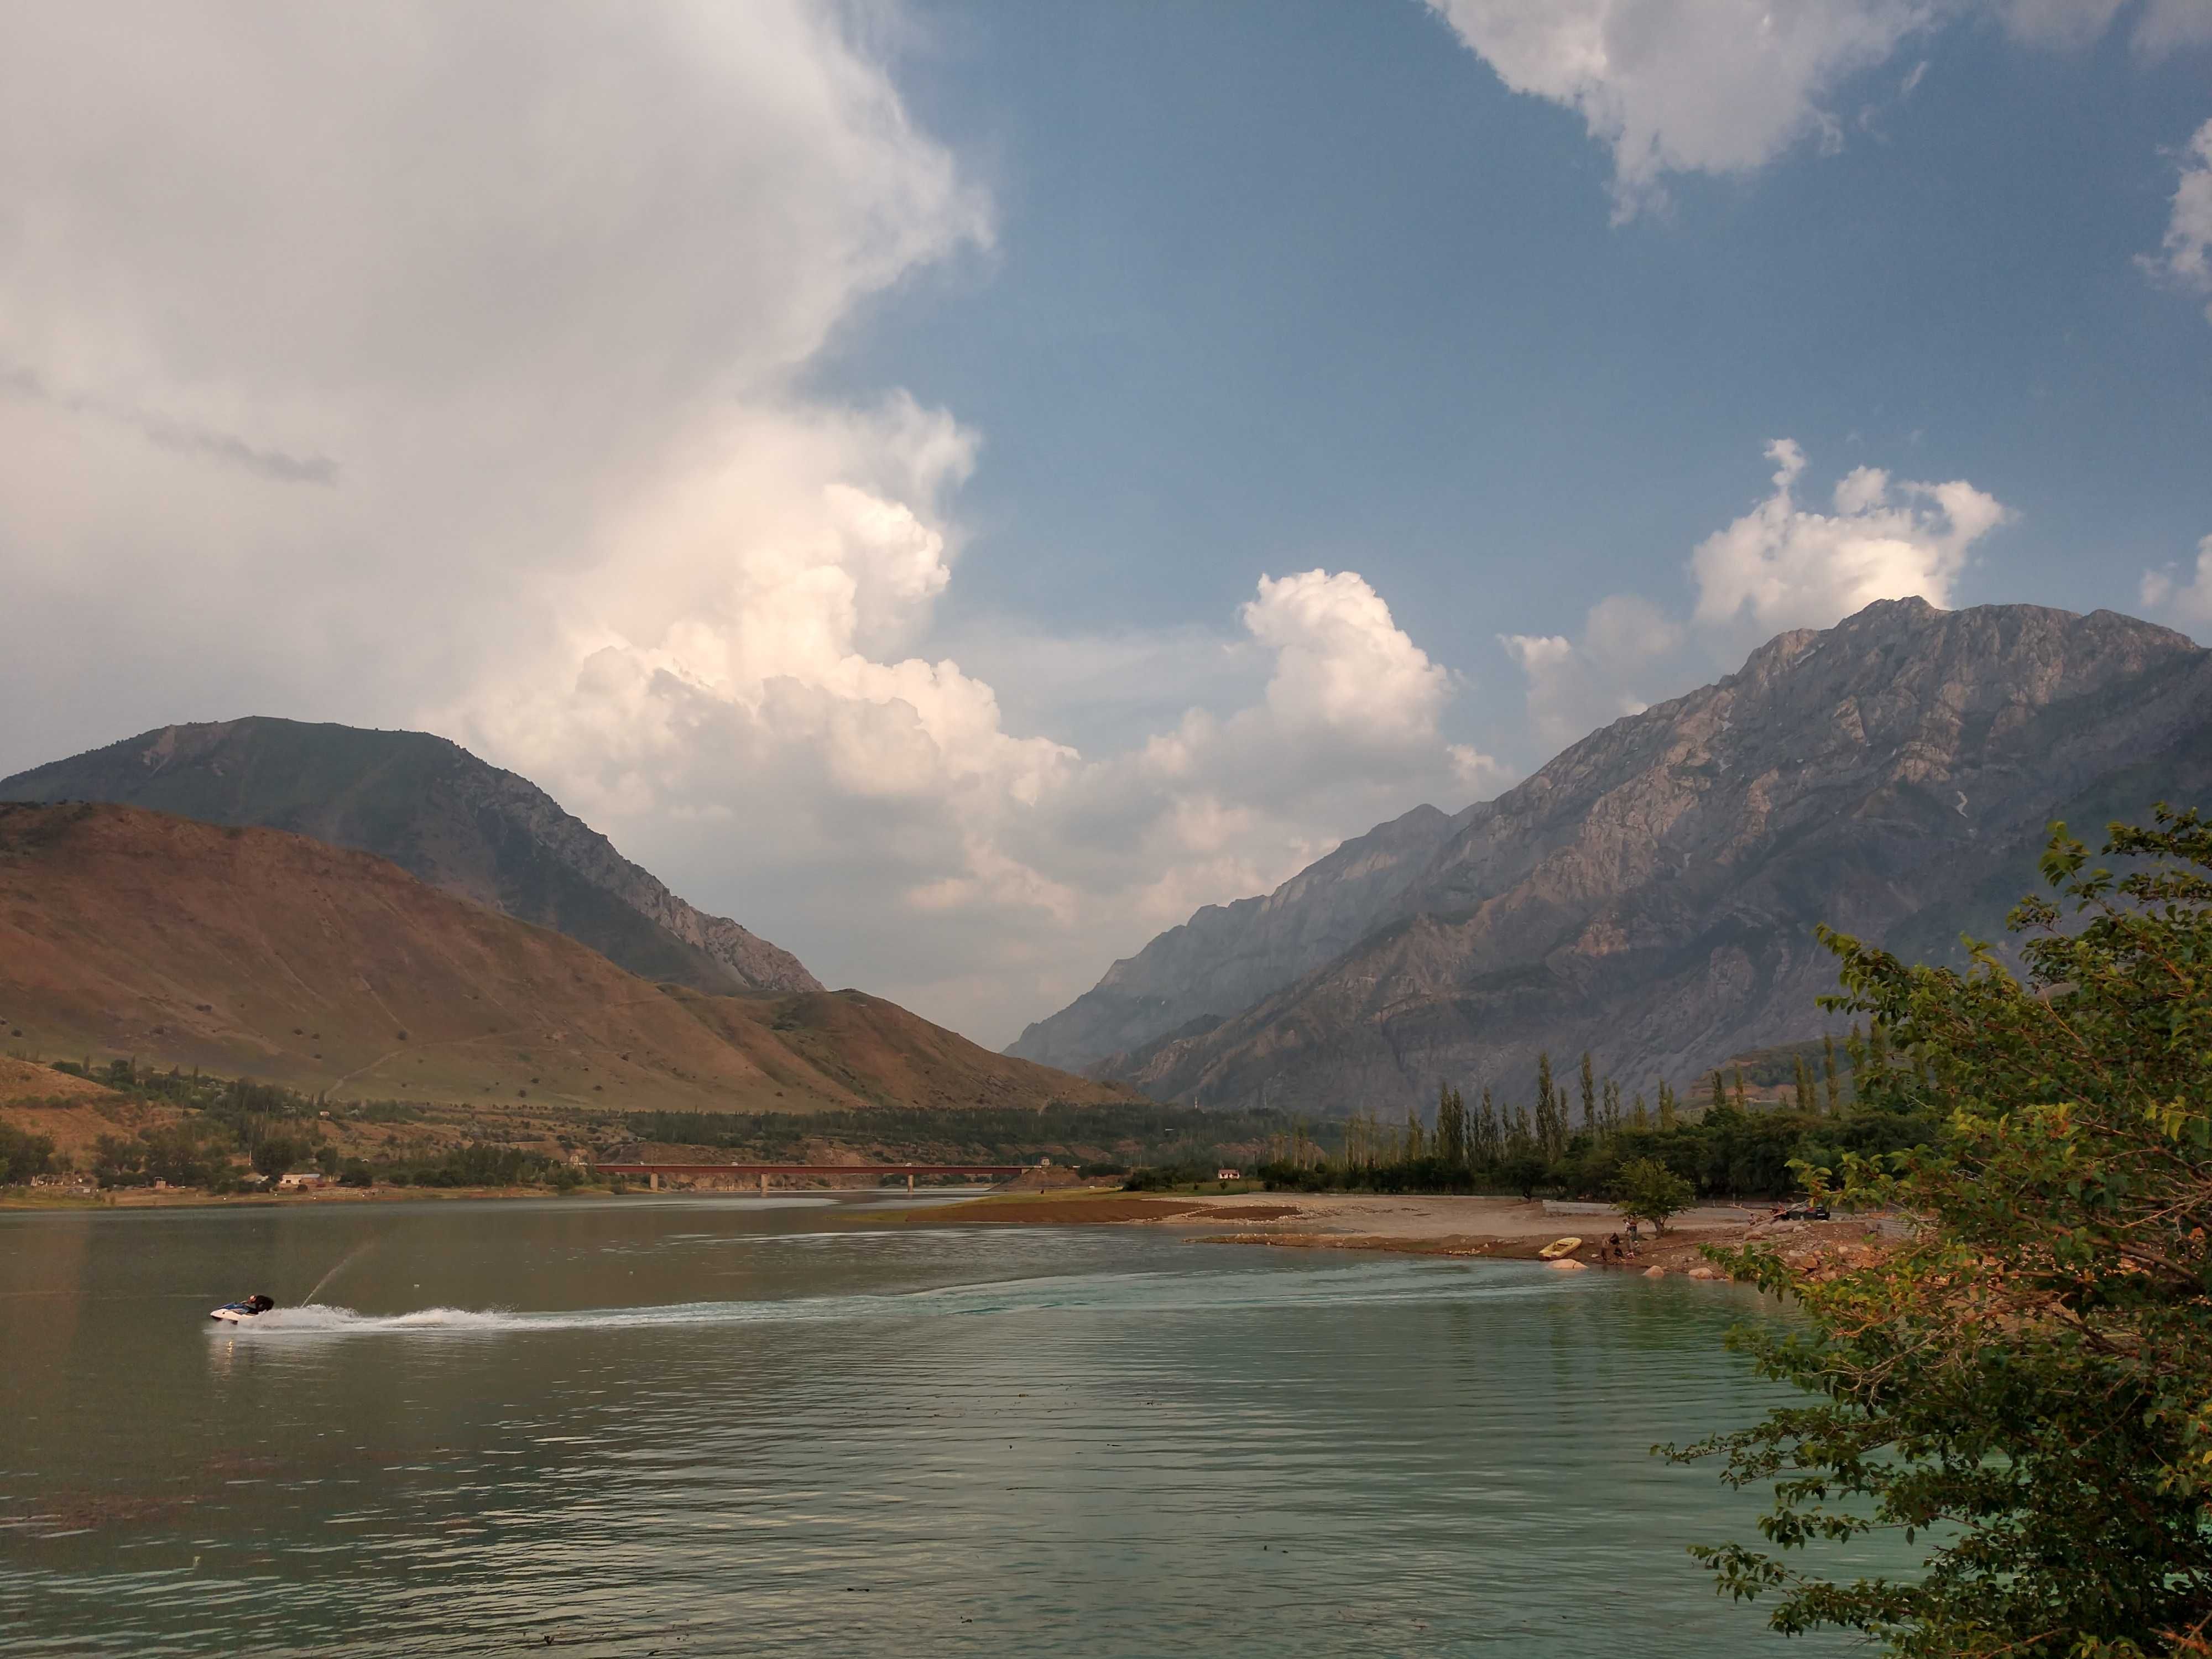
[(1367, 1285)]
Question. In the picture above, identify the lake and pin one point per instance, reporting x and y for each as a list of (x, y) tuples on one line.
[(673, 1426)]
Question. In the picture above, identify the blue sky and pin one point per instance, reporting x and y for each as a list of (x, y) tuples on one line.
[(1288, 285), (957, 486)]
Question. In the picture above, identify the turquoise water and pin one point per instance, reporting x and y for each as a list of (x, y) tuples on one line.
[(734, 1426)]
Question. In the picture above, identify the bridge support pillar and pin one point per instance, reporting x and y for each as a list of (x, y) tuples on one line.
[(764, 1183), (909, 1180), (653, 1182)]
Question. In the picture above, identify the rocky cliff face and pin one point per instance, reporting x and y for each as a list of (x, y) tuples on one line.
[(1650, 895), (440, 814)]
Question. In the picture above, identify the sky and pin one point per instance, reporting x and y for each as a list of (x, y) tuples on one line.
[(958, 486)]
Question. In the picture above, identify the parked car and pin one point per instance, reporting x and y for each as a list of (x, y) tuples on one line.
[(1806, 1213)]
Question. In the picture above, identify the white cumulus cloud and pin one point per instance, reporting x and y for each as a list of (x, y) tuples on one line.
[(1672, 86), (2185, 258), (1782, 565), (362, 366), (2186, 598), (1576, 686), (1778, 566), (1727, 86), (1341, 663)]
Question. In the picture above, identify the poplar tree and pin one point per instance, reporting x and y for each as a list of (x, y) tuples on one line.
[(1589, 1095), (1828, 1071), (1667, 1105), (1720, 1095), (1451, 1127)]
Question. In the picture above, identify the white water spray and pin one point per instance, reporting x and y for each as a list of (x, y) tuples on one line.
[(343, 1262)]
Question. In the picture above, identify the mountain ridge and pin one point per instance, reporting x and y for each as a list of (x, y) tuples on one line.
[(1649, 894), (250, 951), (1304, 922), (442, 813)]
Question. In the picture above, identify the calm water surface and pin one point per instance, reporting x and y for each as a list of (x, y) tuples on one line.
[(731, 1426)]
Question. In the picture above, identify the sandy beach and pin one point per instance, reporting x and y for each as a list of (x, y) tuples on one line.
[(1454, 1225)]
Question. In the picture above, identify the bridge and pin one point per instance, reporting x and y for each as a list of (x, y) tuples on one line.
[(652, 1172)]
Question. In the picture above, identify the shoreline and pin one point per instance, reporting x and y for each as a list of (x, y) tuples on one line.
[(1459, 1226), (187, 1198), (1441, 1225), (31, 1201)]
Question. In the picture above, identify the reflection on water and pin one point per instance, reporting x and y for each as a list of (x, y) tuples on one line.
[(767, 1425)]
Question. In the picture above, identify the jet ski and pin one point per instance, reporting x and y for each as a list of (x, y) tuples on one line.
[(237, 1313)]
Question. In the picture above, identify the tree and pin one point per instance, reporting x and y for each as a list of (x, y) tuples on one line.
[(116, 1160), (1720, 1094), (277, 1153), (1828, 1071), (23, 1155), (1452, 1128), (1647, 1190), (2028, 1377), (1590, 1094), (1524, 1172)]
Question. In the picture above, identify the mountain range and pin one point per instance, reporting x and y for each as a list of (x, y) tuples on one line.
[(1650, 895)]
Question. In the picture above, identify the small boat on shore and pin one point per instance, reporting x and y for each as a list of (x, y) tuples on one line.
[(237, 1313)]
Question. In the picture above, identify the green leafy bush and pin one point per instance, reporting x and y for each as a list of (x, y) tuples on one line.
[(1647, 1190), (23, 1155)]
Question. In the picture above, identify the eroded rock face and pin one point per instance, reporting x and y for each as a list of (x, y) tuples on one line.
[(440, 814), (1650, 895)]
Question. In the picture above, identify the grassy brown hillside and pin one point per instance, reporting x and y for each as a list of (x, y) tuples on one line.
[(72, 1112), (250, 951)]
